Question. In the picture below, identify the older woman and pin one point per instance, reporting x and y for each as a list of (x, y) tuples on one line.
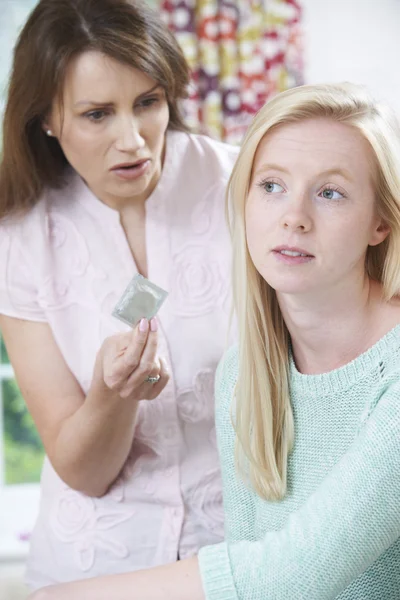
[(100, 180)]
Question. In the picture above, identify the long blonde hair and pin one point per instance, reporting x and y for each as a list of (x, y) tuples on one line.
[(263, 414)]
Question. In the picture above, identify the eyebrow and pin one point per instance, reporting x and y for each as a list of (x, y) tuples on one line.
[(335, 171), (94, 103), (270, 167)]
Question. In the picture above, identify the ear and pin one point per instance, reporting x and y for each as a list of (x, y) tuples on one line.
[(47, 125), (47, 129), (379, 233)]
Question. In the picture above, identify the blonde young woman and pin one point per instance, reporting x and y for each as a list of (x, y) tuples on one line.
[(308, 405)]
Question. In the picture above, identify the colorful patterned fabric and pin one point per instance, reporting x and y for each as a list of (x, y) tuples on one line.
[(241, 52)]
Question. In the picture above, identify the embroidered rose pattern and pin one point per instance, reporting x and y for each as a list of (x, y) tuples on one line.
[(198, 285), (71, 254), (82, 522), (197, 402), (206, 502)]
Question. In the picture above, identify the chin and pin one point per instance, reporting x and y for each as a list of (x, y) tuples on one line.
[(128, 189), (286, 284)]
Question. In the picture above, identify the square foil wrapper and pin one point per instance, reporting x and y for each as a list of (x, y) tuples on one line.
[(142, 299)]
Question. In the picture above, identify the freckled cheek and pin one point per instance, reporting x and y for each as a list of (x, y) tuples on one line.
[(256, 235)]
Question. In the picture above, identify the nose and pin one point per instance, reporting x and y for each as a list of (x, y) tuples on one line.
[(129, 137), (297, 218)]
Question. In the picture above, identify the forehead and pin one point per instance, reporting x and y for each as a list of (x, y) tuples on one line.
[(92, 73), (316, 144)]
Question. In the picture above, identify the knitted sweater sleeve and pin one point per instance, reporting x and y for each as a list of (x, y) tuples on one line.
[(351, 519)]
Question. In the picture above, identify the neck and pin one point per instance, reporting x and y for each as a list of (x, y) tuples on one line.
[(329, 331), (134, 204)]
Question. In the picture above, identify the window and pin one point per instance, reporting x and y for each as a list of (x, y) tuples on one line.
[(21, 459), (22, 450)]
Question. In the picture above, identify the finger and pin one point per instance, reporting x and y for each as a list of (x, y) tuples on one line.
[(134, 351), (138, 379), (114, 345), (138, 385), (158, 387), (114, 369), (119, 366), (123, 355), (148, 358), (121, 343), (148, 365), (155, 370)]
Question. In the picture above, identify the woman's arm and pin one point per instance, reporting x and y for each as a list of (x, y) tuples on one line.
[(85, 450), (349, 521), (177, 581)]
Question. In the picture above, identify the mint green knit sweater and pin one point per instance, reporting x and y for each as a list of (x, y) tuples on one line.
[(336, 534)]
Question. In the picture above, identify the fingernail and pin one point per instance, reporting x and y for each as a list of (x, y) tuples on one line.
[(153, 324), (144, 325)]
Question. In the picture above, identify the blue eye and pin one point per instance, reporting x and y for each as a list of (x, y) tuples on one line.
[(331, 194), (272, 188)]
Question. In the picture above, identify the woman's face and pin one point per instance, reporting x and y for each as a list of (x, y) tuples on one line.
[(112, 127), (311, 209)]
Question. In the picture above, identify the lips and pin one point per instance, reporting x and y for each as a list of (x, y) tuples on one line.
[(292, 251), (129, 165), (128, 172)]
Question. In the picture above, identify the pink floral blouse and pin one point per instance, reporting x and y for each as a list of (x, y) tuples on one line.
[(67, 263)]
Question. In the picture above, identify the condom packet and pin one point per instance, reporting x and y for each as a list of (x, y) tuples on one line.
[(142, 299)]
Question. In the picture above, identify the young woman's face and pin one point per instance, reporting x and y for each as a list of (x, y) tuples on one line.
[(111, 127), (311, 209)]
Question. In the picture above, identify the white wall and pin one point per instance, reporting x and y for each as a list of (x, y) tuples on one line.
[(357, 41), (12, 15)]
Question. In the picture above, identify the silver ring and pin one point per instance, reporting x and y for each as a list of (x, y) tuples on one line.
[(152, 379)]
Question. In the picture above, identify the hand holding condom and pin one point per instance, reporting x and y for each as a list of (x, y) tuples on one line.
[(129, 360)]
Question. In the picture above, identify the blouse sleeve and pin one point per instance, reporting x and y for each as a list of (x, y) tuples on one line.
[(349, 522), (18, 291)]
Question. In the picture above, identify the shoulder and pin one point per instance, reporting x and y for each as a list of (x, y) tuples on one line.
[(224, 154), (65, 199), (213, 146), (23, 228), (20, 236), (28, 223), (26, 235), (204, 151), (383, 394)]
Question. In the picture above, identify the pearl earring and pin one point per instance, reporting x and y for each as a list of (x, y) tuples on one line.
[(49, 132)]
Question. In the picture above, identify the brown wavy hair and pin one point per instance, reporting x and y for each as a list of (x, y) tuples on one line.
[(56, 32)]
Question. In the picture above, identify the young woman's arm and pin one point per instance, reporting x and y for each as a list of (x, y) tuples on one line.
[(346, 525), (177, 581)]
